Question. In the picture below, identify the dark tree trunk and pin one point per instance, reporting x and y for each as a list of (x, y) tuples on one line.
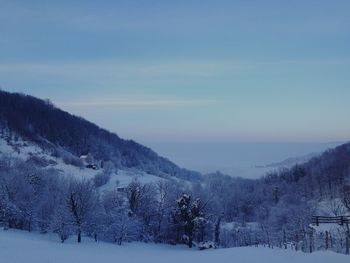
[(79, 236), (190, 240), (217, 231)]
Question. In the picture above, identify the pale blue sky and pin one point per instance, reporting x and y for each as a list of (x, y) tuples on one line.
[(182, 71)]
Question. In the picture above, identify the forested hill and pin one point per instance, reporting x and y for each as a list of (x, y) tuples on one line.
[(324, 176), (40, 121), (285, 201), (304, 187)]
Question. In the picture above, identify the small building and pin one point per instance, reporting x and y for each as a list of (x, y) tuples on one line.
[(92, 166)]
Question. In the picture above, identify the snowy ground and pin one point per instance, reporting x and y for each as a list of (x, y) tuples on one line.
[(23, 247), (124, 177)]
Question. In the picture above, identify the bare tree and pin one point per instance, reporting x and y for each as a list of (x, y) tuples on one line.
[(81, 200)]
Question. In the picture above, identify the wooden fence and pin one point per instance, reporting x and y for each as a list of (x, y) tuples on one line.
[(341, 220)]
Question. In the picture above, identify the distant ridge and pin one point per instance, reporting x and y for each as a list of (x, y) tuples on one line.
[(41, 122)]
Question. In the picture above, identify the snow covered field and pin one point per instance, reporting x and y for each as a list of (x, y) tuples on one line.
[(24, 247)]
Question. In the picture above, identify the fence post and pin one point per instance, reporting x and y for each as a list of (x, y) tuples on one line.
[(327, 240), (311, 241)]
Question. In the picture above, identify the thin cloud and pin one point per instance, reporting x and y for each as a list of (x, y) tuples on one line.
[(307, 62), (137, 102), (125, 68), (175, 67)]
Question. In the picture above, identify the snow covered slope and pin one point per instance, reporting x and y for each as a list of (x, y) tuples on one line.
[(24, 150), (24, 247)]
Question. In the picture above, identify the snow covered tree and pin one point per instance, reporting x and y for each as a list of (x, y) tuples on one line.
[(166, 192), (81, 199), (123, 228), (189, 216), (142, 203), (120, 224), (61, 223), (217, 230), (7, 208)]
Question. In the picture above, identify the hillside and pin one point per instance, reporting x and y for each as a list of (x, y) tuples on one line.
[(281, 204), (41, 122)]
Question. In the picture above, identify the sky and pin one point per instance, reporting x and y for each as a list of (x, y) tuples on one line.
[(186, 71)]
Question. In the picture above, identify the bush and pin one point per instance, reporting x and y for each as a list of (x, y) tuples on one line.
[(101, 179), (206, 245)]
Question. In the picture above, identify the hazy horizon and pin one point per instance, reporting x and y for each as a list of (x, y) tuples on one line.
[(237, 159)]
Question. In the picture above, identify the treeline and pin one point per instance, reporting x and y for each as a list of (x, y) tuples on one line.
[(40, 121), (44, 200)]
